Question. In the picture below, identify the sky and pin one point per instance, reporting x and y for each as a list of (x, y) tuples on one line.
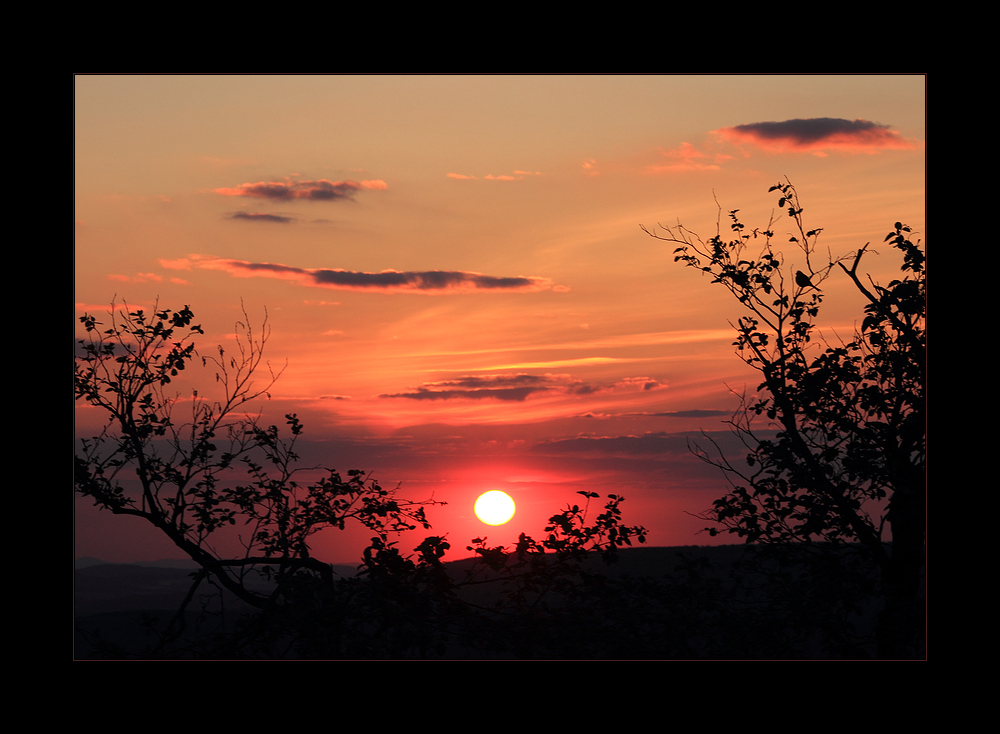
[(454, 272)]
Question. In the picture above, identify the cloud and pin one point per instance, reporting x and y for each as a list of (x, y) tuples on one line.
[(687, 158), (145, 278), (428, 281), (261, 217), (492, 381), (660, 414), (137, 278), (517, 386), (182, 263), (517, 176), (518, 394), (817, 135), (641, 383), (649, 443), (320, 190)]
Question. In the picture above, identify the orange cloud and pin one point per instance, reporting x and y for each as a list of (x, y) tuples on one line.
[(180, 264), (137, 278), (687, 158), (518, 176), (817, 136)]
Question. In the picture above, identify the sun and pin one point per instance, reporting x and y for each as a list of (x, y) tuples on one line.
[(494, 507)]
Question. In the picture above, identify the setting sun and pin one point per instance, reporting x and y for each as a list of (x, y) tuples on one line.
[(494, 507)]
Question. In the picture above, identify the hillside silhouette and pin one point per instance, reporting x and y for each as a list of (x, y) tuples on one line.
[(689, 602)]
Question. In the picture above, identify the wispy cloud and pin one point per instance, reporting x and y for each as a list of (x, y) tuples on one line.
[(515, 176), (662, 414), (428, 281), (553, 363), (319, 190), (499, 393), (602, 343), (688, 413), (816, 135), (687, 157), (144, 278), (137, 278), (649, 443), (517, 387)]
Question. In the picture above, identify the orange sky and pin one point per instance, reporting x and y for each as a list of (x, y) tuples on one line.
[(454, 270)]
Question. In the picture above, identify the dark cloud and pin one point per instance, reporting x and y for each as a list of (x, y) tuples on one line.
[(425, 280), (494, 381), (320, 190), (429, 281), (509, 387), (261, 217), (515, 387), (517, 394), (804, 132), (817, 134)]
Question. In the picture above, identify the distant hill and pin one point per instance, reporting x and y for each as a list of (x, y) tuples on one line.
[(661, 602), (88, 561), (153, 585), (161, 585)]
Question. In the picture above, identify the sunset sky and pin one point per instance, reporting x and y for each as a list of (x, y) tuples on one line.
[(454, 271)]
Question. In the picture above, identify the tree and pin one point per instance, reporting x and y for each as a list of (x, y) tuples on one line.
[(842, 456), (226, 489), (187, 470)]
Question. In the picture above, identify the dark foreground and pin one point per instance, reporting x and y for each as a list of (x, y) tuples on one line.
[(696, 602)]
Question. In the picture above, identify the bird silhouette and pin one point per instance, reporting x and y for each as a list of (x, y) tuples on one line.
[(802, 280)]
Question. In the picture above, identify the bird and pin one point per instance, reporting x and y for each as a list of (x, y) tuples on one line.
[(802, 280)]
